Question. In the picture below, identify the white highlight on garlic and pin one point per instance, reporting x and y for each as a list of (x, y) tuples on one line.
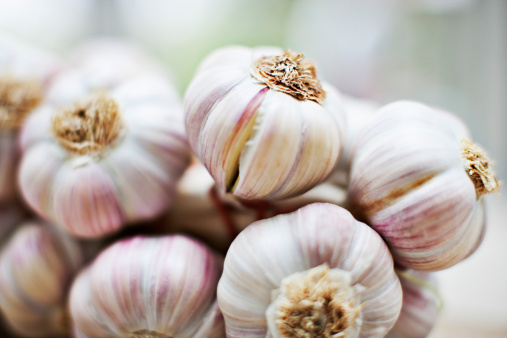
[(37, 265), (262, 123), (316, 271), (98, 157), (149, 287), (410, 181)]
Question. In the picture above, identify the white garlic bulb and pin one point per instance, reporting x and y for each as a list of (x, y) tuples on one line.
[(201, 210), (37, 265), (24, 75), (417, 180), (262, 123), (149, 287), (421, 304), (314, 273), (95, 158)]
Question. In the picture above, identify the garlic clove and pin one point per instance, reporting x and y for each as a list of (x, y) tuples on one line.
[(86, 200), (408, 181), (233, 115), (36, 267), (148, 286), (421, 305), (268, 251)]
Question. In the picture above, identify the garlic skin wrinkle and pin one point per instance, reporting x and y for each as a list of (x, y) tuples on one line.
[(149, 287), (418, 181), (97, 158), (421, 305), (262, 123), (37, 265), (316, 272), (24, 75)]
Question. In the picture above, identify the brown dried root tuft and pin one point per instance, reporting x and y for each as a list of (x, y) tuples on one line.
[(291, 74), (317, 306), (478, 168), (17, 99), (89, 126)]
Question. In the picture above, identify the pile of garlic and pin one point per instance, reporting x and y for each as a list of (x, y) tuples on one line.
[(260, 163)]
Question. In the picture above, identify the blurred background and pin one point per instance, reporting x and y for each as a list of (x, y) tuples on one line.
[(447, 53)]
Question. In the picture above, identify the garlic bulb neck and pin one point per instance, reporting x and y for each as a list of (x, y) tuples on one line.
[(319, 302), (148, 334), (17, 98), (478, 168), (88, 126), (291, 74)]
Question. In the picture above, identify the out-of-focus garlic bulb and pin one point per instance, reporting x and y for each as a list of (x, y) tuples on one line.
[(37, 265), (262, 123), (24, 75), (421, 303), (315, 273), (97, 157), (417, 180), (149, 287), (201, 210)]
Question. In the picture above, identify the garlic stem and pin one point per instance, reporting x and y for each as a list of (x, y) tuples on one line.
[(319, 302), (289, 73), (88, 126), (18, 97), (478, 168)]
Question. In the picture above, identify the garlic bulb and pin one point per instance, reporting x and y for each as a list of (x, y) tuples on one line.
[(201, 210), (37, 265), (421, 303), (149, 287), (262, 123), (316, 272), (24, 75), (417, 180), (95, 158)]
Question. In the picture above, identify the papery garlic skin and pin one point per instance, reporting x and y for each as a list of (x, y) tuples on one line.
[(421, 305), (149, 287), (257, 139), (37, 265), (94, 189), (319, 234), (409, 182), (24, 75)]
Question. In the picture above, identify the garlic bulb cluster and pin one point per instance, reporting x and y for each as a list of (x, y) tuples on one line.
[(37, 265), (202, 210), (99, 154), (24, 75), (421, 303), (316, 272), (417, 180), (149, 287), (262, 122)]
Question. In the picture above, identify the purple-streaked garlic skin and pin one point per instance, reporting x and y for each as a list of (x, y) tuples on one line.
[(163, 286), (269, 250), (257, 142), (133, 179), (37, 265), (420, 307), (19, 63), (408, 181)]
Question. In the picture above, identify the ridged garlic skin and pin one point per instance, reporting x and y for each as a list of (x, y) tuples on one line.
[(408, 181), (37, 265), (420, 307), (268, 251), (201, 210), (258, 142), (132, 179), (19, 63), (156, 287)]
